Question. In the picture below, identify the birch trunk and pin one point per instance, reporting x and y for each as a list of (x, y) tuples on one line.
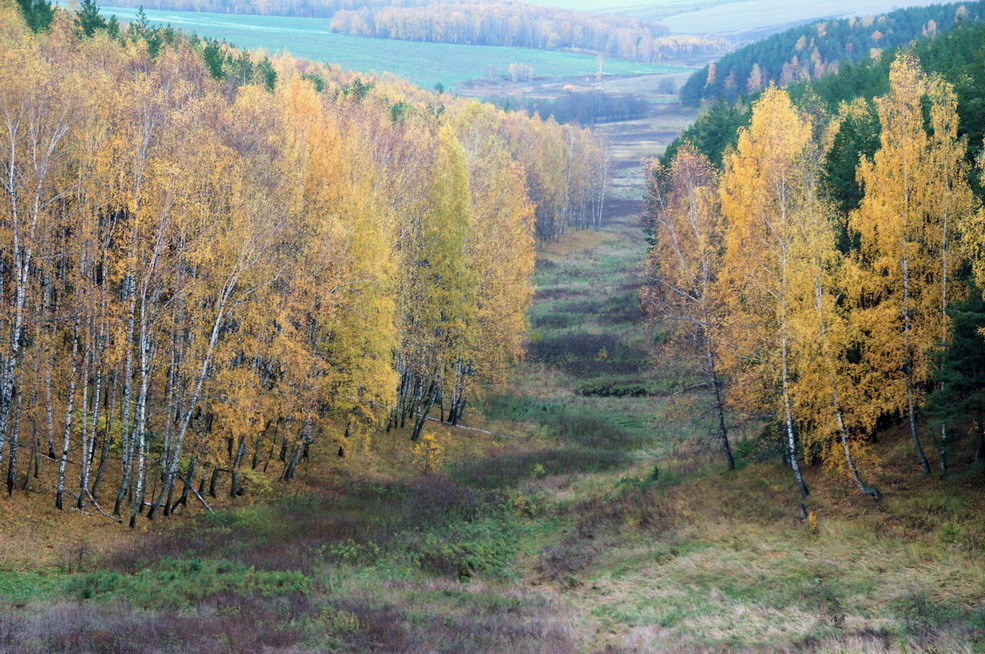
[(66, 439)]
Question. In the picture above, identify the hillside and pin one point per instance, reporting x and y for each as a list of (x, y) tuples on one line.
[(510, 24), (817, 259), (356, 255), (957, 56), (816, 50)]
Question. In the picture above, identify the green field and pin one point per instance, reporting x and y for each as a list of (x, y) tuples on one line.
[(425, 64)]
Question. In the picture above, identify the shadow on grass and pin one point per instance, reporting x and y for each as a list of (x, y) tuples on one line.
[(509, 465), (588, 355), (227, 624), (596, 520), (291, 533), (460, 619)]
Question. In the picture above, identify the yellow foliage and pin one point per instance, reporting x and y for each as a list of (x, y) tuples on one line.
[(229, 271), (916, 200), (429, 454)]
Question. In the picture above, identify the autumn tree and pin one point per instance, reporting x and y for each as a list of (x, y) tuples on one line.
[(684, 264), (834, 409), (211, 261), (759, 198), (916, 197)]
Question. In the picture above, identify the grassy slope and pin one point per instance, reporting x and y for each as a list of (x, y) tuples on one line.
[(424, 64), (579, 523)]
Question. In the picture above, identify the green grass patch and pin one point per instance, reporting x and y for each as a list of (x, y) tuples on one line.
[(174, 583), (17, 587)]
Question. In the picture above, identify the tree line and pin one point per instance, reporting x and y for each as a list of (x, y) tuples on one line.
[(582, 107), (814, 51), (824, 324), (530, 26), (211, 261), (476, 23)]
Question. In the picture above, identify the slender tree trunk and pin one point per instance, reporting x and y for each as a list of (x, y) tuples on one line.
[(944, 336), (189, 477), (167, 502), (835, 401), (31, 463), (141, 420), (48, 363), (66, 439), (425, 411), (49, 411), (126, 454), (716, 385), (256, 454), (292, 465), (912, 414), (107, 443), (13, 445), (83, 422), (107, 437), (90, 443), (849, 459), (791, 436), (234, 490), (192, 402), (212, 482), (910, 363)]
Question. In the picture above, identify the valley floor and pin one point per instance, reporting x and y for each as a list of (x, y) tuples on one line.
[(585, 511)]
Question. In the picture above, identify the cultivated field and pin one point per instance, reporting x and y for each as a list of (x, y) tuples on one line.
[(425, 64)]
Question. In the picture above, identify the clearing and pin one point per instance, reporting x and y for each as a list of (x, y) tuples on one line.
[(592, 514)]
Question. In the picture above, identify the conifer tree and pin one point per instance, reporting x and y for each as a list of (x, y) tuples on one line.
[(88, 19)]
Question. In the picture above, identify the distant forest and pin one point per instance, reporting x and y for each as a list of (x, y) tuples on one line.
[(582, 107), (813, 51), (475, 23), (958, 57)]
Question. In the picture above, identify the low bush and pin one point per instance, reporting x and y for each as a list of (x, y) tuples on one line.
[(466, 550), (612, 389)]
